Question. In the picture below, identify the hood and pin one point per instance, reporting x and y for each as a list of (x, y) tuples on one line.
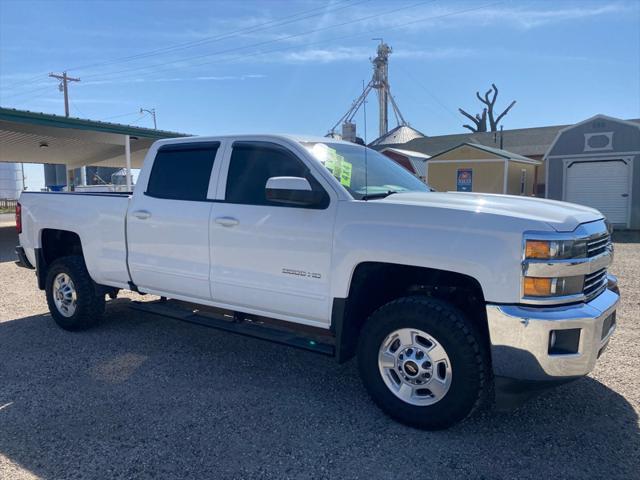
[(561, 216)]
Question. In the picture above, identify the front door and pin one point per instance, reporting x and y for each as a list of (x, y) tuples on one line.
[(168, 223), (267, 257)]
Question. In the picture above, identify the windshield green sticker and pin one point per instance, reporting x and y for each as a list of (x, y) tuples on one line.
[(334, 162), (345, 174), (338, 166)]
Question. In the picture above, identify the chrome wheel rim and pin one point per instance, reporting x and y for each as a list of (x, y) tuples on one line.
[(64, 295), (415, 367)]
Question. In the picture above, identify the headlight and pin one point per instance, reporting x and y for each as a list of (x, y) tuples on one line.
[(555, 249), (552, 287)]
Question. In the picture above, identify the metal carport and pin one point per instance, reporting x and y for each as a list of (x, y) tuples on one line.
[(30, 137)]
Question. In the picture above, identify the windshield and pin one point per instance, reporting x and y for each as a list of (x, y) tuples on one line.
[(346, 162)]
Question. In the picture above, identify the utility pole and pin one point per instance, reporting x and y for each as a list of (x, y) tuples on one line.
[(64, 80), (153, 114)]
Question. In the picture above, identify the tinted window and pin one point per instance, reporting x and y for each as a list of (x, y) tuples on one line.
[(182, 172), (253, 163)]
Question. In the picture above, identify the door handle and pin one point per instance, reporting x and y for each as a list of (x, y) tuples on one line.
[(227, 221), (625, 195), (141, 214)]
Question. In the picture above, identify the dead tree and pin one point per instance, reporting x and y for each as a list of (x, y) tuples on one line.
[(480, 121)]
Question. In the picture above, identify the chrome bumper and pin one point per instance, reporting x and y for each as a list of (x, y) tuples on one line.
[(520, 337)]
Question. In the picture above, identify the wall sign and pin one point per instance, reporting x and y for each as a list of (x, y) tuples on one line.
[(464, 180)]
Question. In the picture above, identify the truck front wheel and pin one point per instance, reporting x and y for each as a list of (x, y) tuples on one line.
[(71, 296), (422, 362)]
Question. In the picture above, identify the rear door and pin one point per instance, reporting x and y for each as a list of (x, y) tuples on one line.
[(603, 185), (168, 223), (267, 257)]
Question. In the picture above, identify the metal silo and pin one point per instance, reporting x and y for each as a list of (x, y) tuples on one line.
[(10, 180)]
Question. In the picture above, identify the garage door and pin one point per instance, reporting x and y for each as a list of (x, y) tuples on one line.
[(603, 185)]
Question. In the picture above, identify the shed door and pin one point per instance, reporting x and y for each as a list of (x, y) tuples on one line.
[(603, 185)]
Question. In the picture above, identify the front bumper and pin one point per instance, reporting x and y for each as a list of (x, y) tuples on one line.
[(520, 338)]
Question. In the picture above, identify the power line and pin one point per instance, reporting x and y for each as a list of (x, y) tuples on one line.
[(428, 91), (266, 42), (321, 42), (263, 26), (44, 91), (27, 81), (80, 113), (120, 116), (195, 43), (137, 120), (324, 42), (35, 90)]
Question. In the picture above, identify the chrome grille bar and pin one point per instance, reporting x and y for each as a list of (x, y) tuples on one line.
[(595, 283), (597, 245)]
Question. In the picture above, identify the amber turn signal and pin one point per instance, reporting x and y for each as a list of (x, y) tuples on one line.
[(537, 287), (538, 249)]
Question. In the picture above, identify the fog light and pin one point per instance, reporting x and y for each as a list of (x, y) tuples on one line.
[(564, 342)]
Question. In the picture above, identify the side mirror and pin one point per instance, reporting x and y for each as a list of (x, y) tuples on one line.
[(292, 191)]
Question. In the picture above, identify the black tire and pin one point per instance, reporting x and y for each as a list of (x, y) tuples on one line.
[(89, 305), (463, 344)]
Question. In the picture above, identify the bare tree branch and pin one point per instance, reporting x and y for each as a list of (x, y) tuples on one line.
[(469, 127), (495, 93), (469, 116), (505, 112)]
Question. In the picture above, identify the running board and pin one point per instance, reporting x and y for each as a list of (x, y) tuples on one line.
[(241, 323)]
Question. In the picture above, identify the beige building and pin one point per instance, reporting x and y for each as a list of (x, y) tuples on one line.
[(471, 167)]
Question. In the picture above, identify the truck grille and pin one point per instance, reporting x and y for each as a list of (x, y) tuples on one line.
[(598, 245), (595, 283)]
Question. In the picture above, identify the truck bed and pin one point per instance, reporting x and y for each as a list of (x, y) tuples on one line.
[(98, 218)]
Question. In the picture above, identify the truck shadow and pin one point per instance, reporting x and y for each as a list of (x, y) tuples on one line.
[(8, 242), (142, 396)]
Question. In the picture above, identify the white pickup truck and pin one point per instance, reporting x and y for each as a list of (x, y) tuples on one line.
[(449, 300)]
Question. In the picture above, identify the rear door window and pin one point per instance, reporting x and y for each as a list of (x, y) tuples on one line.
[(182, 172)]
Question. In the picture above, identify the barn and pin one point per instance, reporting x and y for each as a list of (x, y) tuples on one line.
[(597, 163)]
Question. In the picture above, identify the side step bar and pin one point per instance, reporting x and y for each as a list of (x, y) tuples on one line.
[(241, 323)]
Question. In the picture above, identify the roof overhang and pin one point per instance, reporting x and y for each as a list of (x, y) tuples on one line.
[(500, 155), (30, 137), (406, 153)]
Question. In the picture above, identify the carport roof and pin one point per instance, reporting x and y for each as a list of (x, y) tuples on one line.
[(32, 137)]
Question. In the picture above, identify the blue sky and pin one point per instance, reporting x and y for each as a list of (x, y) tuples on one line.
[(216, 67)]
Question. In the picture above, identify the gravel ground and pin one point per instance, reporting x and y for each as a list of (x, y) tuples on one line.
[(143, 396)]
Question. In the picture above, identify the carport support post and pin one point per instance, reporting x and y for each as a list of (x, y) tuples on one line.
[(506, 176), (127, 156)]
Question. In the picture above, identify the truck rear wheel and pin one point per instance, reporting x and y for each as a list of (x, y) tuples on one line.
[(422, 362), (71, 296)]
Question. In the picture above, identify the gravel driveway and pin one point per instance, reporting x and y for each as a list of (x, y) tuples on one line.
[(144, 396)]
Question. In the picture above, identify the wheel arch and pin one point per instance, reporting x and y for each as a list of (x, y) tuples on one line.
[(374, 284), (55, 243)]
